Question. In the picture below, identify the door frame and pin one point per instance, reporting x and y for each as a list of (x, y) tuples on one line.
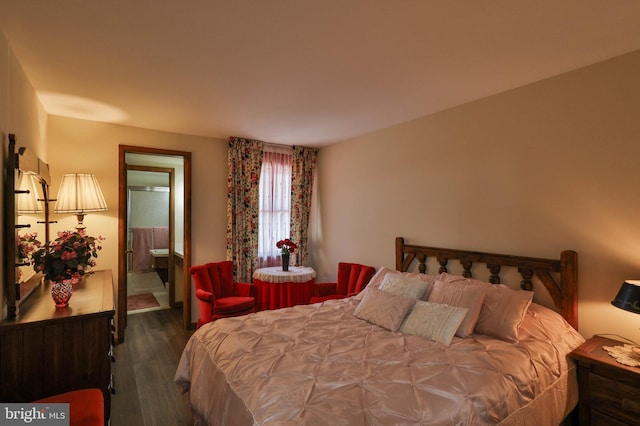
[(121, 293)]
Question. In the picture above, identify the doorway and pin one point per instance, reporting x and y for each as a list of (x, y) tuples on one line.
[(150, 237), (172, 268)]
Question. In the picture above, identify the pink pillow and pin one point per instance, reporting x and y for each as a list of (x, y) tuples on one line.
[(450, 278), (384, 309), (503, 312), (464, 295)]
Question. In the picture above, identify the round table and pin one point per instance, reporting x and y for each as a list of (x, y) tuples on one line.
[(277, 289)]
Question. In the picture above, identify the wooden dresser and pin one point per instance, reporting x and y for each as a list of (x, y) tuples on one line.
[(609, 391), (46, 351)]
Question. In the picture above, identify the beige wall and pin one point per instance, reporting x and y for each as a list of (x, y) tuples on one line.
[(77, 146), (535, 170), (21, 114), (74, 146)]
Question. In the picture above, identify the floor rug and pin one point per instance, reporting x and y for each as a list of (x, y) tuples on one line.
[(141, 301)]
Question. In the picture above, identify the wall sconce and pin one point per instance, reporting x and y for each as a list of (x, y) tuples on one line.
[(28, 195), (80, 193)]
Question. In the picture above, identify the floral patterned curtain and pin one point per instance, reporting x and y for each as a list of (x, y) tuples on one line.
[(303, 167), (243, 198)]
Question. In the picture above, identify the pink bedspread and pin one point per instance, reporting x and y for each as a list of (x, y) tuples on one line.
[(318, 364)]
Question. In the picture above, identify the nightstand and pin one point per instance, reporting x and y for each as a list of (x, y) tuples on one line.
[(609, 391)]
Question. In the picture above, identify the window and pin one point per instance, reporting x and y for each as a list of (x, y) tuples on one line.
[(275, 205)]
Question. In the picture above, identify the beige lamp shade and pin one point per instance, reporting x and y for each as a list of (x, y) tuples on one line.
[(80, 193), (28, 195)]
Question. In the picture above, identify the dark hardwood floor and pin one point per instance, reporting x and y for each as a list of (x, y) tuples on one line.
[(143, 372)]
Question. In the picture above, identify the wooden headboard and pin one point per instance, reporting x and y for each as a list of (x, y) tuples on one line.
[(564, 292)]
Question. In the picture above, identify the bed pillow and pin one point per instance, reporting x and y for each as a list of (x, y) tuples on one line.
[(384, 309), (503, 311), (404, 286), (450, 278), (433, 321), (463, 295), (383, 271)]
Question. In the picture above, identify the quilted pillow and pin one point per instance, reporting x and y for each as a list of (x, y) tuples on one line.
[(383, 271), (463, 295), (404, 286), (503, 311), (433, 321), (384, 309)]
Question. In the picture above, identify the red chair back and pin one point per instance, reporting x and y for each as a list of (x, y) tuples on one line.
[(353, 277), (214, 277)]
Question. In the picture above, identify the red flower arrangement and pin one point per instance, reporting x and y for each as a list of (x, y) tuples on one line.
[(70, 256), (27, 245), (287, 246)]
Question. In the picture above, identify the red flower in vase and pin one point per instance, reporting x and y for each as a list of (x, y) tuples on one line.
[(287, 246), (68, 257)]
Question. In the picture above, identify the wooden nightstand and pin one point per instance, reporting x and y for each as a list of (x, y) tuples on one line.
[(609, 391)]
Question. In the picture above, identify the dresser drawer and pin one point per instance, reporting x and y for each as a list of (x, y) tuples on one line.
[(616, 399)]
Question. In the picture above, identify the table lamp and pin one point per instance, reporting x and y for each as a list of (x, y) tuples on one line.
[(628, 297), (80, 193)]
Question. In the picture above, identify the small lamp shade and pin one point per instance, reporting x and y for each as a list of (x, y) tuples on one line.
[(80, 193), (628, 297), (28, 194)]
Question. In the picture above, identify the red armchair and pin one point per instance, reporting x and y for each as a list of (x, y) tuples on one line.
[(352, 279), (218, 296), (86, 406)]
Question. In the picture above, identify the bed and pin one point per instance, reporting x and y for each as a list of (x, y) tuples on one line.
[(415, 347)]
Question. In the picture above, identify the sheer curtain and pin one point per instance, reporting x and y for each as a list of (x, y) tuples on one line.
[(275, 205)]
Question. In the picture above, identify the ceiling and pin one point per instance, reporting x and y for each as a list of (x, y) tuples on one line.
[(306, 72)]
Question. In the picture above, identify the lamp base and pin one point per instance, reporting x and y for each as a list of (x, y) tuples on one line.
[(80, 226), (625, 354)]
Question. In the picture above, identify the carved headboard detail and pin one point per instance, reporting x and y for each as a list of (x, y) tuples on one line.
[(563, 292)]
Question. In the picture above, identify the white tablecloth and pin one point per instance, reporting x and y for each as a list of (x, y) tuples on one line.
[(275, 274)]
